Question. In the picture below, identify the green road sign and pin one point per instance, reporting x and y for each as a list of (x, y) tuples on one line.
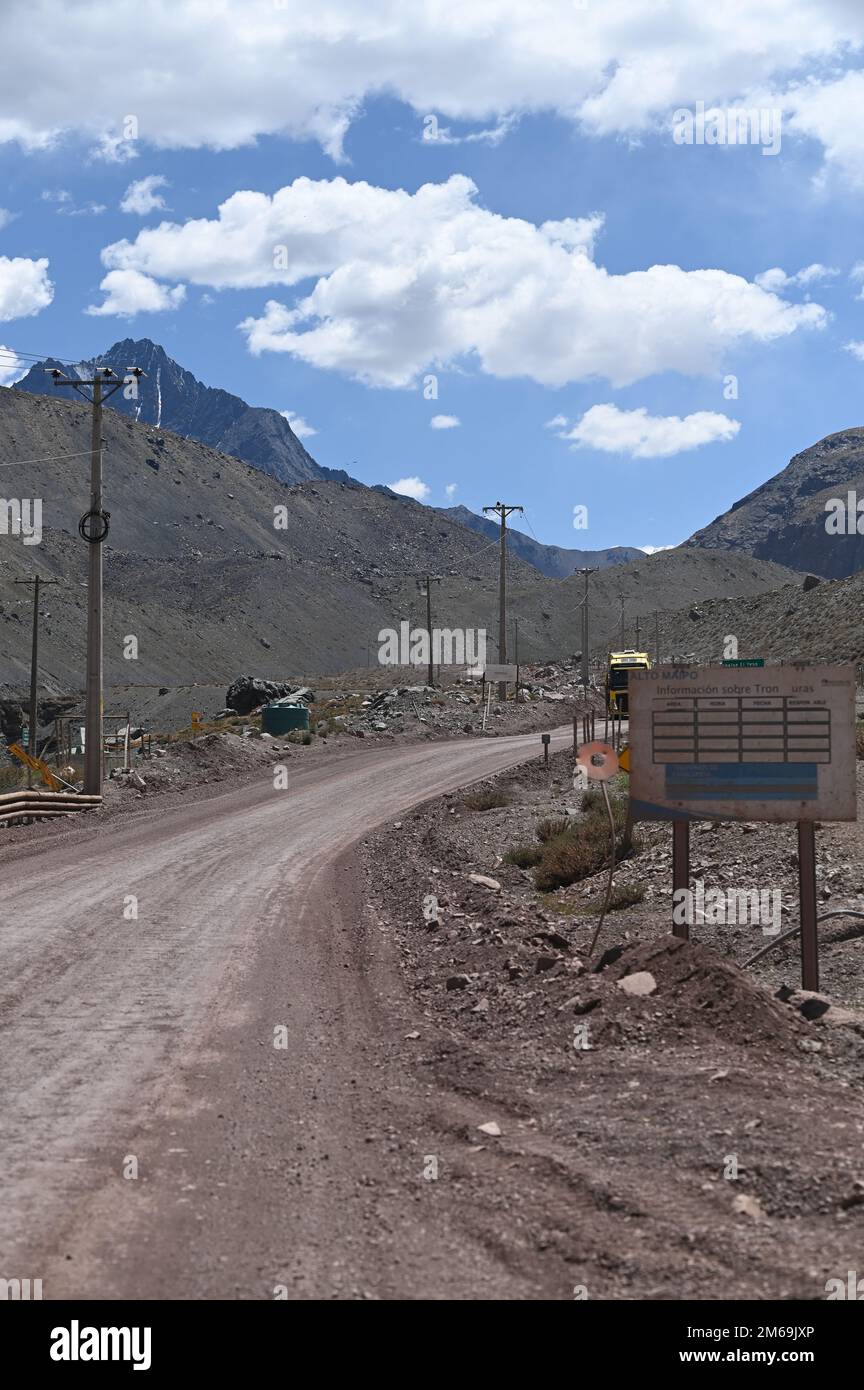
[(755, 661)]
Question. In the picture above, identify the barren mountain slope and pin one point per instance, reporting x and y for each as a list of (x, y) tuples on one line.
[(196, 569)]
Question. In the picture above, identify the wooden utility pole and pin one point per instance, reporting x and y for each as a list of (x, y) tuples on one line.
[(516, 654), (34, 667), (430, 580), (502, 510), (93, 528), (622, 626), (638, 632), (585, 639)]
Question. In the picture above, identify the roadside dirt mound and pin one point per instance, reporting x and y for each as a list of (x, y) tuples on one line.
[(695, 993)]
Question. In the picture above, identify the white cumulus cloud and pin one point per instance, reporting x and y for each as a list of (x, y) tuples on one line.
[(143, 196), (66, 205), (11, 367), (832, 113), (220, 75), (411, 487), (301, 427), (128, 292), (450, 491), (444, 422), (404, 281), (776, 280), (24, 287), (641, 435)]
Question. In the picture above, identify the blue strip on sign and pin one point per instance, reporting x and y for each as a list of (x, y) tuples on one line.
[(742, 781)]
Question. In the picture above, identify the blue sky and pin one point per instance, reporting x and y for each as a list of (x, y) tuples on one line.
[(530, 330)]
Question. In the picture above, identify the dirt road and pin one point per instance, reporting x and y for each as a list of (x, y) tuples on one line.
[(156, 1143)]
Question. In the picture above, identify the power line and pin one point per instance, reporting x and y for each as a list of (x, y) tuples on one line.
[(46, 458), (531, 528), (482, 551), (41, 356)]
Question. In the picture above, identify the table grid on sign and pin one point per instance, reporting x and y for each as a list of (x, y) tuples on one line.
[(741, 729)]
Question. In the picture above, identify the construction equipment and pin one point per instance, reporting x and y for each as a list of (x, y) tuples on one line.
[(618, 670), (35, 765)]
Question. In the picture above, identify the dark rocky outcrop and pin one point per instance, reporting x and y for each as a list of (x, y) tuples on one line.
[(248, 692), (171, 398), (784, 520)]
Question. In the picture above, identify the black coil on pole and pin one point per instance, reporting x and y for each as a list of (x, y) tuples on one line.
[(97, 537)]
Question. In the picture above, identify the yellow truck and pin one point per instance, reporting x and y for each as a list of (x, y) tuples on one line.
[(618, 675)]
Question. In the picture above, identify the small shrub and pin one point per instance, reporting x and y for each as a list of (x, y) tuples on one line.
[(570, 858), (859, 740), (11, 778), (553, 827), (487, 799), (524, 856), (623, 895)]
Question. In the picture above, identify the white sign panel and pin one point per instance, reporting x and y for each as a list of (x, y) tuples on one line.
[(500, 673), (775, 743)]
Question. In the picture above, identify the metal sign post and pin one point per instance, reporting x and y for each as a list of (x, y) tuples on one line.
[(807, 901), (503, 673), (680, 870)]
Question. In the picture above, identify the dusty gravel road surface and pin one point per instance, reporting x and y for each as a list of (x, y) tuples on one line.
[(147, 1045)]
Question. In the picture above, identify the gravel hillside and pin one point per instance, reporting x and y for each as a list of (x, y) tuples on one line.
[(791, 624), (196, 570)]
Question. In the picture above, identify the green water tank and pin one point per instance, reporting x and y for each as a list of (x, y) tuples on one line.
[(280, 718)]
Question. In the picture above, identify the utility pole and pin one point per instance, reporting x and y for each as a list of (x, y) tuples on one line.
[(656, 638), (622, 625), (503, 510), (516, 653), (638, 630), (34, 667), (430, 580), (93, 528), (585, 642)]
